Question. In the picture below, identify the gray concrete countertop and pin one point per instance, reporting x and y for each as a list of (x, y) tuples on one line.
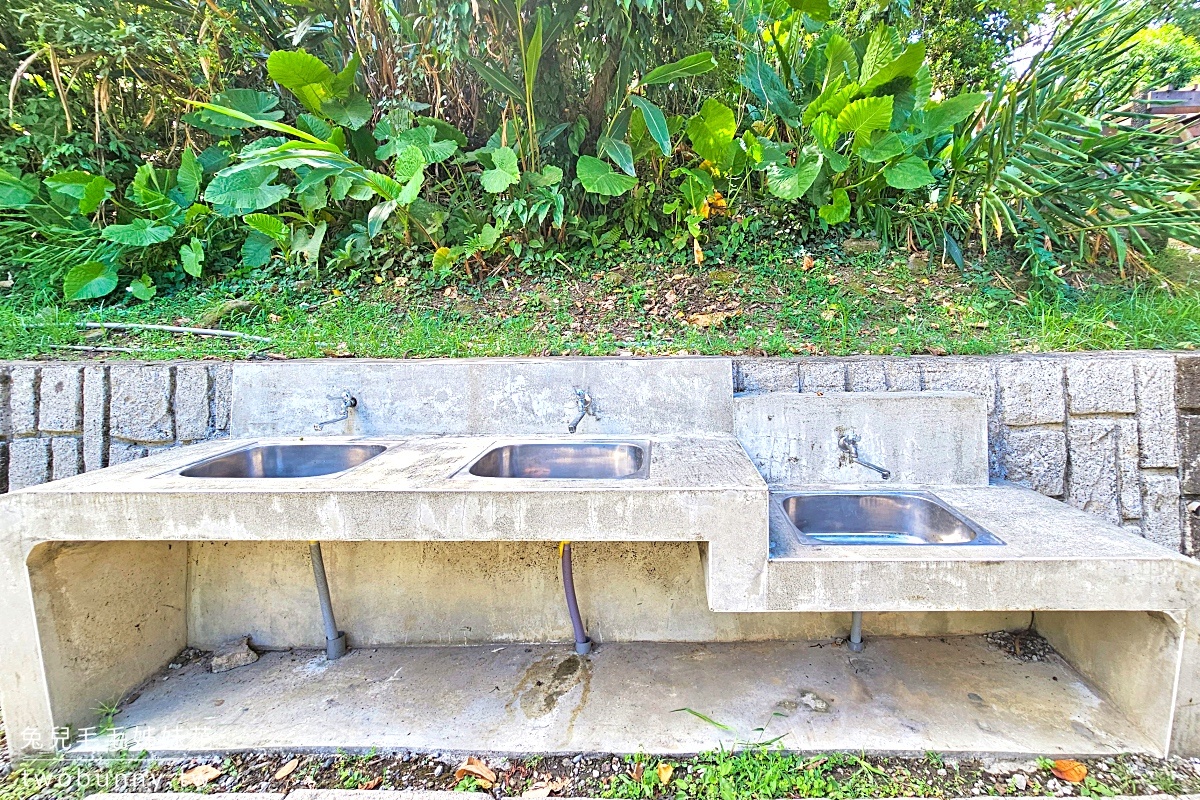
[(1053, 557)]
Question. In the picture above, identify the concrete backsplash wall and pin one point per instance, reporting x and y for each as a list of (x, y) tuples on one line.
[(1116, 434)]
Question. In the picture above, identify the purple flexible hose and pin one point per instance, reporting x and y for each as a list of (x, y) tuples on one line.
[(583, 645)]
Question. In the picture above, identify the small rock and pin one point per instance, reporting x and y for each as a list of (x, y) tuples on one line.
[(233, 655), (941, 772), (814, 702), (857, 247), (437, 773), (1020, 781)]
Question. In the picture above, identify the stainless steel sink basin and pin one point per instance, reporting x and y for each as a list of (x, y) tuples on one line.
[(284, 461), (583, 460), (877, 518)]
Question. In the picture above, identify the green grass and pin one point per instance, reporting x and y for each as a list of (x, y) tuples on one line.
[(751, 296)]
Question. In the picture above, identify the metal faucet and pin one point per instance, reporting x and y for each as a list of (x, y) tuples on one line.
[(584, 401), (349, 401), (848, 444)]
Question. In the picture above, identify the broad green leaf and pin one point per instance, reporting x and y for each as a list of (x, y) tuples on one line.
[(254, 104), (712, 130), (598, 177), (143, 288), (343, 82), (352, 111), (910, 172), (948, 113), (411, 189), (817, 9), (139, 233), (687, 67), (257, 249), (267, 225), (191, 256), (504, 172), (72, 183), (881, 50), (432, 150), (302, 74), (881, 148), (765, 84), (190, 176), (97, 190), (1119, 245), (838, 209), (242, 190), (549, 176), (445, 131), (841, 60), (904, 65), (443, 259), (864, 116), (656, 123), (16, 192), (790, 183), (314, 125), (619, 151), (825, 131), (496, 79), (409, 161), (90, 280)]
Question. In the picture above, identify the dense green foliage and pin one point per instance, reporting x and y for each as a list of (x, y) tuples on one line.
[(151, 145)]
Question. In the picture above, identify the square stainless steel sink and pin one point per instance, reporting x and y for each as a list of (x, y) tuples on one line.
[(284, 461), (574, 460), (877, 518)]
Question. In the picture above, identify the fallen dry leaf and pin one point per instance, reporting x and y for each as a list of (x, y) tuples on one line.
[(485, 776), (287, 769), (1069, 771), (665, 771), (697, 253), (543, 788), (808, 262), (372, 784), (638, 769), (200, 776), (710, 320)]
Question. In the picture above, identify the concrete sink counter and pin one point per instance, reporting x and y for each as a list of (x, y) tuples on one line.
[(107, 576)]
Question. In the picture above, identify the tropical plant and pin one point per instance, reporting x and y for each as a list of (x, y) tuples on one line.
[(1061, 163)]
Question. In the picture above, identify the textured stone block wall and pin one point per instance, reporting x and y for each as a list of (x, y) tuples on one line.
[(1187, 395), (57, 420), (1096, 430)]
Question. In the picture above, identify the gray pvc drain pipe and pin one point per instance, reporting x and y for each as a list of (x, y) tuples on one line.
[(855, 641), (583, 645), (335, 640)]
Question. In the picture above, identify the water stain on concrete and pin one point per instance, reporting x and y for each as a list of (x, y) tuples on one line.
[(546, 680)]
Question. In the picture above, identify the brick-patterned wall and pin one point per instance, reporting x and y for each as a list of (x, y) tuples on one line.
[(57, 420), (1096, 430), (1187, 395)]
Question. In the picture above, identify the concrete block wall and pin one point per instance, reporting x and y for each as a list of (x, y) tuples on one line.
[(1101, 431), (58, 420), (1116, 434), (1187, 396)]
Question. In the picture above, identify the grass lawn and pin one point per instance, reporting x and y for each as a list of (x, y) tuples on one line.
[(757, 295)]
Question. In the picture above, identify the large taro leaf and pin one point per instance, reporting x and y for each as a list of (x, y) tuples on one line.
[(90, 280), (863, 117), (242, 190), (304, 75), (711, 131), (598, 177)]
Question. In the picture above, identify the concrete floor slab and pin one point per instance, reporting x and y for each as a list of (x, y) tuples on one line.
[(952, 694)]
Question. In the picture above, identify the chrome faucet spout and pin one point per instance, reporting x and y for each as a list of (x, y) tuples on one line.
[(584, 400), (349, 401), (848, 444)]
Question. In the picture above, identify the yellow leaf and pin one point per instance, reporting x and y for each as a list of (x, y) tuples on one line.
[(483, 774), (697, 253), (1069, 771), (665, 771)]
